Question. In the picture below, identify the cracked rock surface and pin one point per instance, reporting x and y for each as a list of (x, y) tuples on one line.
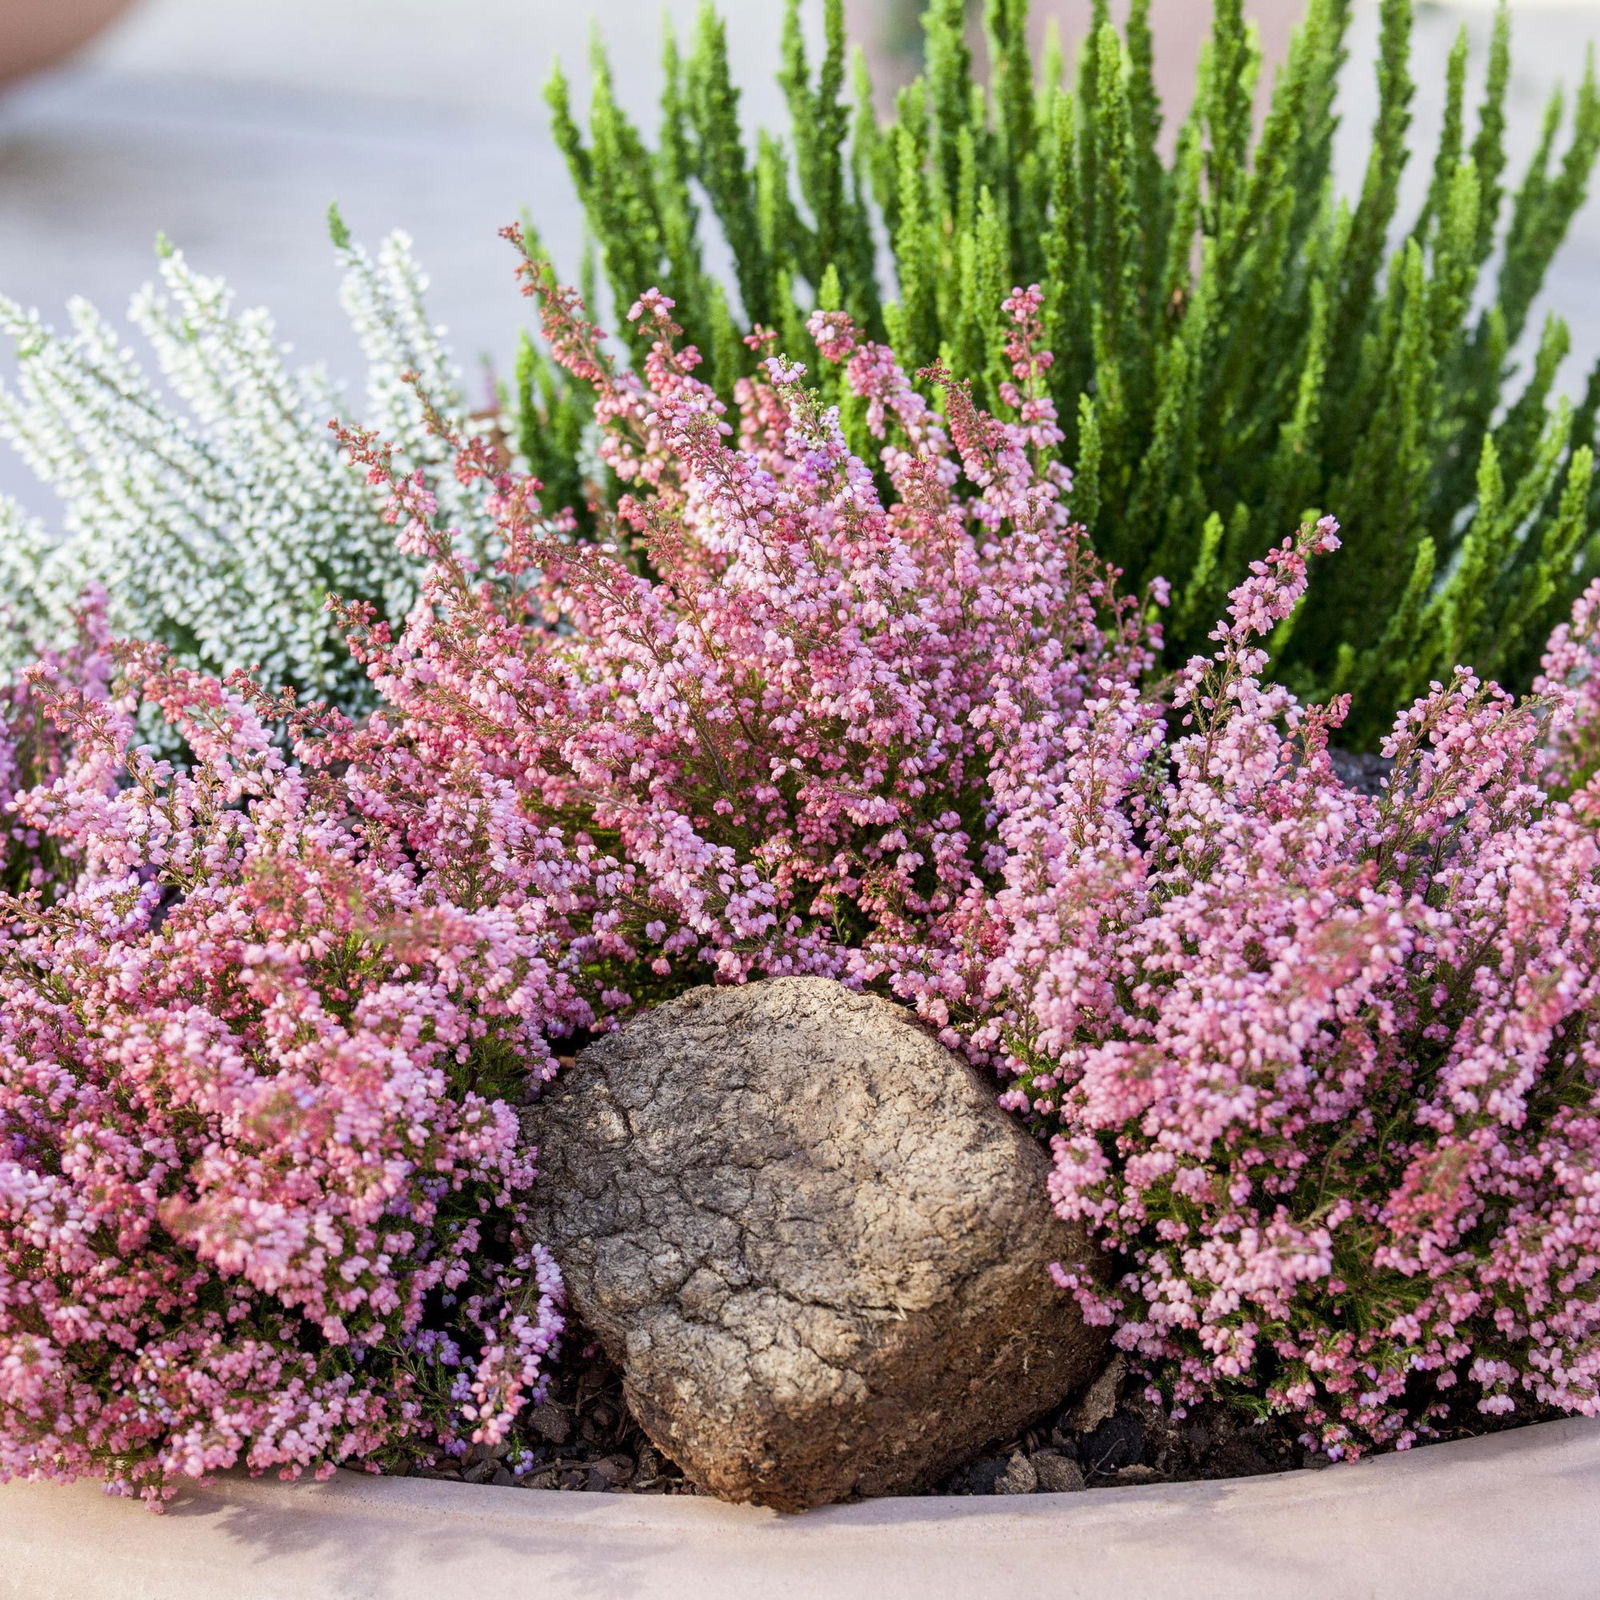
[(809, 1238)]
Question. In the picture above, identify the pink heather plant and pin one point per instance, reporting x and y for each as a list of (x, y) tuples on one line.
[(249, 1056), (1320, 1067), (762, 724), (253, 1162), (1325, 1068)]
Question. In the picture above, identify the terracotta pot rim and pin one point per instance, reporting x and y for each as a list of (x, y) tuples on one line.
[(35, 34)]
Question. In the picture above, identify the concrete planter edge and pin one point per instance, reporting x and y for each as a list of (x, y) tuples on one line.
[(1513, 1514)]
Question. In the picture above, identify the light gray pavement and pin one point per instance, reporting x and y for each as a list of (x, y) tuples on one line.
[(230, 124)]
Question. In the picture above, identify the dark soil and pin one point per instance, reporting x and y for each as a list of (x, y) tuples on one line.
[(581, 1437), (584, 1438)]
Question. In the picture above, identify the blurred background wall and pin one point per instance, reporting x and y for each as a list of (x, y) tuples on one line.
[(230, 124)]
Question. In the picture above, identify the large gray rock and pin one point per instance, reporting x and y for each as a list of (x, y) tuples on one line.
[(810, 1239)]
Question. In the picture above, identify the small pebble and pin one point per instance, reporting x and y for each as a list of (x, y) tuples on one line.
[(1100, 1398), (1056, 1474), (1018, 1478), (614, 1469), (552, 1422), (1137, 1474)]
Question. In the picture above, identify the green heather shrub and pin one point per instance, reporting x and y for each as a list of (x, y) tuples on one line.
[(1237, 347)]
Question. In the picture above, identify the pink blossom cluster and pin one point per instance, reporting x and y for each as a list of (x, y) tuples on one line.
[(259, 1181), (33, 750)]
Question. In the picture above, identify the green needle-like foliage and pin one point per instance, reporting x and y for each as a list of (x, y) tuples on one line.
[(1236, 346)]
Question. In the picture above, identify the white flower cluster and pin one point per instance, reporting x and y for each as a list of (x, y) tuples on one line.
[(213, 503)]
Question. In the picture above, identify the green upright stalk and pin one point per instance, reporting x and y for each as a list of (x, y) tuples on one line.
[(1235, 346)]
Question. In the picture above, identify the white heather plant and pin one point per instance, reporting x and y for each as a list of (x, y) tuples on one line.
[(211, 500)]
